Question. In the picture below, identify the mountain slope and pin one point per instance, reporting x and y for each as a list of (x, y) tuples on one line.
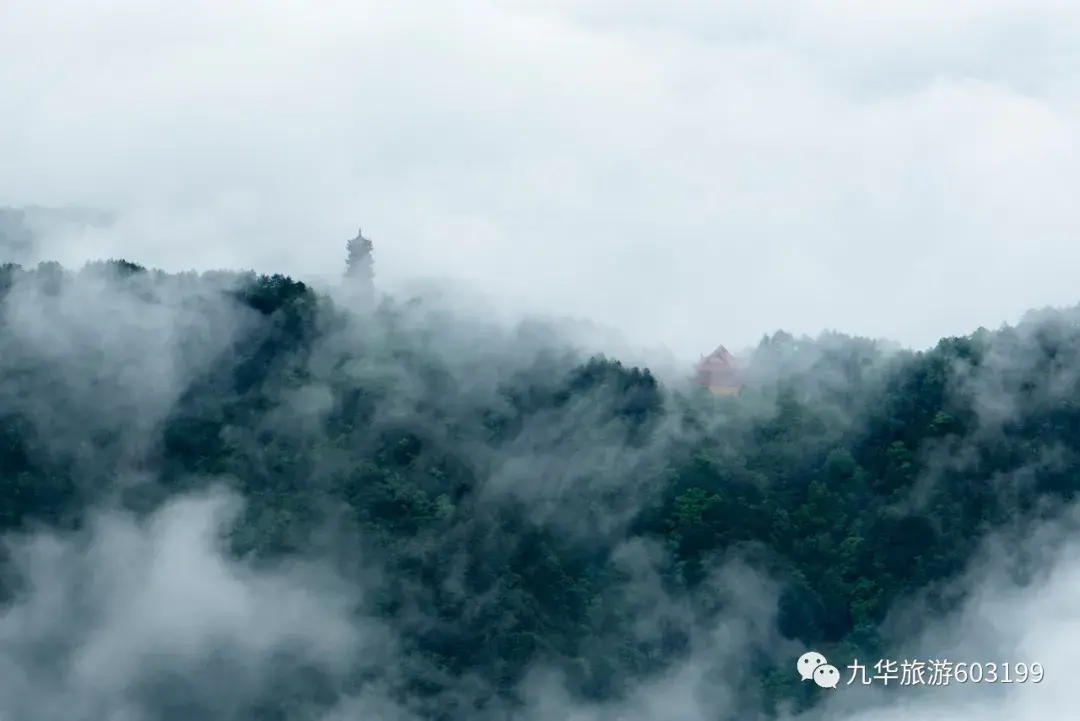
[(475, 506)]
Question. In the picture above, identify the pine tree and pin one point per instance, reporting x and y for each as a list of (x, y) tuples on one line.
[(360, 263)]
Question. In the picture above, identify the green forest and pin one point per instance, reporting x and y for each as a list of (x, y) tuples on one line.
[(503, 504)]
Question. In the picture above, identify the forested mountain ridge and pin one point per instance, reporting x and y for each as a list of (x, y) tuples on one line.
[(495, 504)]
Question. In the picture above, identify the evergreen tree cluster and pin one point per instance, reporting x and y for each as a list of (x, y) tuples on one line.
[(502, 504)]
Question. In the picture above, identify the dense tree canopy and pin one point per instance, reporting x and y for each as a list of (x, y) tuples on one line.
[(526, 507)]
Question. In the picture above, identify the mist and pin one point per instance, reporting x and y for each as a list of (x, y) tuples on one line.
[(690, 173), (234, 488), (235, 584)]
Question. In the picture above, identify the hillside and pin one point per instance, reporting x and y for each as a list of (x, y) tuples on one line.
[(426, 515)]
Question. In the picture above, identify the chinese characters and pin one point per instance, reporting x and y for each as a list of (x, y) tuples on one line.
[(813, 666), (943, 672)]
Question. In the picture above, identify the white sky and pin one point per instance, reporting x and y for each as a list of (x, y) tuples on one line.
[(689, 171)]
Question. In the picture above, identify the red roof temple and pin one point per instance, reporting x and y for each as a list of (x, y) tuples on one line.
[(719, 372)]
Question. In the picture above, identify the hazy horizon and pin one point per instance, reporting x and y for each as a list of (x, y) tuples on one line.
[(689, 172), (657, 179)]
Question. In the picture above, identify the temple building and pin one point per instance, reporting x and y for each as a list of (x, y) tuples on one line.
[(719, 372)]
